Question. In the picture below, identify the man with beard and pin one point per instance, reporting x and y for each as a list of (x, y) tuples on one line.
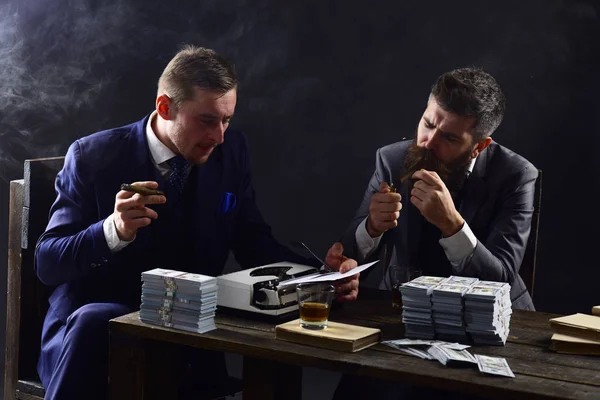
[(463, 205), (464, 202), (100, 239)]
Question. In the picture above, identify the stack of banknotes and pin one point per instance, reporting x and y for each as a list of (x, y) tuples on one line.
[(179, 300), (448, 305), (451, 355), (457, 309), (487, 312)]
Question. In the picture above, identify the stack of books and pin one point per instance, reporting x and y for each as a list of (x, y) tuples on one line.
[(576, 334), (179, 300), (337, 335)]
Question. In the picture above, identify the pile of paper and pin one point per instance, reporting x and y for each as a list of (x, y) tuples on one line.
[(451, 355), (416, 306), (487, 312), (447, 300), (576, 334), (179, 300)]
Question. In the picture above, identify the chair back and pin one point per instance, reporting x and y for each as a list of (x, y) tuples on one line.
[(527, 270), (27, 298)]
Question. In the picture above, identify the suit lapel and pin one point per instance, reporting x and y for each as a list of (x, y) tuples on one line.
[(475, 191)]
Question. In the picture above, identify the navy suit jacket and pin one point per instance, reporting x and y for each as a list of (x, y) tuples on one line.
[(72, 255), (497, 203)]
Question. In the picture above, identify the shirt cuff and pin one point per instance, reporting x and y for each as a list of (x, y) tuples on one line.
[(365, 243), (112, 237), (460, 245)]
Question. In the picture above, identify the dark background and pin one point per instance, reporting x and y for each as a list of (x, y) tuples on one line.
[(323, 85)]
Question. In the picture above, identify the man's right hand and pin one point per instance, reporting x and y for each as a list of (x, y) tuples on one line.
[(131, 213), (384, 211)]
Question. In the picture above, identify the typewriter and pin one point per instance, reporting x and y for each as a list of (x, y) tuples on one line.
[(262, 290)]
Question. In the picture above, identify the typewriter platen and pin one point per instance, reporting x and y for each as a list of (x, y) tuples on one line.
[(258, 290)]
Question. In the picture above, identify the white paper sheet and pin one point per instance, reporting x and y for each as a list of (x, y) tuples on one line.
[(326, 277)]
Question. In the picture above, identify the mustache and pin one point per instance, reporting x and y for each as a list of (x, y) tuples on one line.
[(418, 158)]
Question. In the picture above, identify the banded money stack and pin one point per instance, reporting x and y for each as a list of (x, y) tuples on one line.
[(448, 316), (457, 308), (179, 300), (487, 312), (416, 306)]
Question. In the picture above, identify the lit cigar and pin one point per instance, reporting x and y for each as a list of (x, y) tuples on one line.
[(144, 191)]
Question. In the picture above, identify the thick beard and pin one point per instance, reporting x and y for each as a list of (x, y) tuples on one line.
[(453, 175)]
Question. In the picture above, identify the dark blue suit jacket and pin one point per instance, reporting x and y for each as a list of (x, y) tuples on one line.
[(220, 214)]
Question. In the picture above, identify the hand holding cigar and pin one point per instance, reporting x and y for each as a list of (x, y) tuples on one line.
[(144, 191), (131, 211)]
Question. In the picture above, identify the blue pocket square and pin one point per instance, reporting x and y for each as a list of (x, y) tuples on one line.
[(228, 201)]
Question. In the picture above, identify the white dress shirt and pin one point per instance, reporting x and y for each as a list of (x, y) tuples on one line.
[(458, 248), (160, 155)]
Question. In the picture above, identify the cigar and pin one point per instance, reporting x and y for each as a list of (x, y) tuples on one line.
[(144, 191)]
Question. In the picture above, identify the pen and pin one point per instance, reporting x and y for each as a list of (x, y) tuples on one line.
[(328, 269), (144, 191)]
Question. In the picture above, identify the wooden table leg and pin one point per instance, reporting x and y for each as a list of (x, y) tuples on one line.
[(161, 370), (125, 368), (142, 369), (271, 380)]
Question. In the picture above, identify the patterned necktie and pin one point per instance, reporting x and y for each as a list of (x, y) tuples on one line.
[(180, 169)]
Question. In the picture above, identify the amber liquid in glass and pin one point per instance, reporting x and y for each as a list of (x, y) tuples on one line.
[(314, 312)]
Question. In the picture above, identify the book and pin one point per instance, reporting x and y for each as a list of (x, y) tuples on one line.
[(596, 310), (337, 336), (579, 325), (574, 345)]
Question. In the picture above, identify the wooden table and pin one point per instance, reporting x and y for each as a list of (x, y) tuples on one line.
[(273, 368)]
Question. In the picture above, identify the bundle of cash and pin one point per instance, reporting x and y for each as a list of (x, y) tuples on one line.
[(447, 300), (179, 300), (456, 309), (418, 347), (487, 312), (416, 306), (451, 357), (450, 354), (493, 366)]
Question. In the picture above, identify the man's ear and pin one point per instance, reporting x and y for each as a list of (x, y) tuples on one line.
[(480, 146), (164, 107)]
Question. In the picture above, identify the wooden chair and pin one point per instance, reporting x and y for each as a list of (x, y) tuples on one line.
[(27, 298), (527, 270)]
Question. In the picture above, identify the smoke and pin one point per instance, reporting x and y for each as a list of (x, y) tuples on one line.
[(71, 68), (53, 66)]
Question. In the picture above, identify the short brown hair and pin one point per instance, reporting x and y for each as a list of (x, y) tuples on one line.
[(196, 67), (471, 92)]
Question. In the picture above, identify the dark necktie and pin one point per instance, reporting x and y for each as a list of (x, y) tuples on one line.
[(180, 169)]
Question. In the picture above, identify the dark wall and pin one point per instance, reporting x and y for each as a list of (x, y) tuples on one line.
[(323, 85)]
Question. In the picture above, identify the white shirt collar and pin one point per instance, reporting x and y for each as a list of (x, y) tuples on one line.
[(160, 153), (470, 169)]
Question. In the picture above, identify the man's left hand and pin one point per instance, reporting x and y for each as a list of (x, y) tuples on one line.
[(431, 196), (345, 289)]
